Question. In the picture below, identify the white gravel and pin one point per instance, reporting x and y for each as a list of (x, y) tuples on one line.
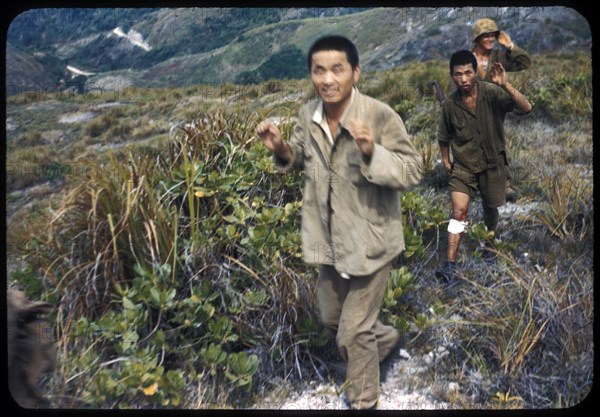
[(518, 208), (396, 392)]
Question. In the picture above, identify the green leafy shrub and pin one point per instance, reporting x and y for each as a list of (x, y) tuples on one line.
[(158, 233)]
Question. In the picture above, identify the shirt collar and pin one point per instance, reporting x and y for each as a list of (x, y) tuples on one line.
[(319, 115)]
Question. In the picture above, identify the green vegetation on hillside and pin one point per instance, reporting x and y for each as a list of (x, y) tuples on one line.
[(170, 248), (288, 63)]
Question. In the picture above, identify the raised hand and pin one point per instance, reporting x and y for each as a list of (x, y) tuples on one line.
[(499, 74), (504, 40), (269, 133), (363, 136), (271, 137)]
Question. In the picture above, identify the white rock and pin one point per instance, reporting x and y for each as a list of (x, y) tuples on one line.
[(404, 354), (453, 387)]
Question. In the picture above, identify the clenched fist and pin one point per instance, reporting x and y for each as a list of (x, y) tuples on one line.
[(363, 136), (271, 137)]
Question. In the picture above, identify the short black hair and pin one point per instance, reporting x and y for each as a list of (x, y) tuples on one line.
[(334, 43), (462, 57)]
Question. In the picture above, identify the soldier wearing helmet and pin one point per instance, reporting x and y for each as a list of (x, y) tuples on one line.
[(484, 34)]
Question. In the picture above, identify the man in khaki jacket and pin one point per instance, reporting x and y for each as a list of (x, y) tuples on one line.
[(356, 156)]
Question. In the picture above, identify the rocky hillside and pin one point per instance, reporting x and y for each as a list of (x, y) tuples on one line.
[(179, 47), (27, 69)]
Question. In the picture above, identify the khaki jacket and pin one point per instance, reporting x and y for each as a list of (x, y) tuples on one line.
[(351, 214)]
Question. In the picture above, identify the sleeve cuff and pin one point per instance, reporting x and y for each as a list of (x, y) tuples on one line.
[(281, 165), (366, 163)]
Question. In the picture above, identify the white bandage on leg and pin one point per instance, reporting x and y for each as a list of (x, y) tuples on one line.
[(456, 226)]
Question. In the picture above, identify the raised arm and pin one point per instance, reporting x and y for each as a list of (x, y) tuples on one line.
[(516, 59), (500, 78), (390, 160), (269, 133)]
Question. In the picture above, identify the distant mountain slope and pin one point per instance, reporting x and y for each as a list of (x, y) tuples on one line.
[(176, 47), (385, 38), (29, 72)]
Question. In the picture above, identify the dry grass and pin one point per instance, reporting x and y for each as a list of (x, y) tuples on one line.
[(115, 221)]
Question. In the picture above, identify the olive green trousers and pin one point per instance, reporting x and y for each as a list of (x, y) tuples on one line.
[(350, 307)]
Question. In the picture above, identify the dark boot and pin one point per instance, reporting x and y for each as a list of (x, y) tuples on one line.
[(510, 194), (446, 273)]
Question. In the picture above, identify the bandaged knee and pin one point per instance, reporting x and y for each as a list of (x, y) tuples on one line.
[(456, 226)]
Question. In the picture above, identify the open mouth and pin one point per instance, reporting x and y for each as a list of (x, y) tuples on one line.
[(329, 93)]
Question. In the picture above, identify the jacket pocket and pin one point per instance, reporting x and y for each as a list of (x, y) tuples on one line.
[(375, 240), (465, 133), (354, 175)]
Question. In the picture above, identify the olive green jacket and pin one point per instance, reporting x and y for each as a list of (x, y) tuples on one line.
[(476, 139), (512, 61), (351, 214)]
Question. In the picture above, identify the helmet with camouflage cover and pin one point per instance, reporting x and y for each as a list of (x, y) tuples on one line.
[(482, 26)]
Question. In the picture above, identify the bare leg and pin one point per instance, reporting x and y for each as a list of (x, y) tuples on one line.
[(453, 244), (460, 208)]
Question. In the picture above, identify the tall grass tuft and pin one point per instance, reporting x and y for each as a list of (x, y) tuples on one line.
[(196, 255), (567, 211), (107, 224)]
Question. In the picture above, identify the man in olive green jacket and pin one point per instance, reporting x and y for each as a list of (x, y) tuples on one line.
[(485, 33), (472, 127), (356, 156)]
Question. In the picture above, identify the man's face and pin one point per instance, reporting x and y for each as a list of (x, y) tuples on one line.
[(487, 40), (332, 76), (464, 77)]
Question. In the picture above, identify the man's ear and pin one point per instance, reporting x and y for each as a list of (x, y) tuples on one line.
[(356, 73)]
